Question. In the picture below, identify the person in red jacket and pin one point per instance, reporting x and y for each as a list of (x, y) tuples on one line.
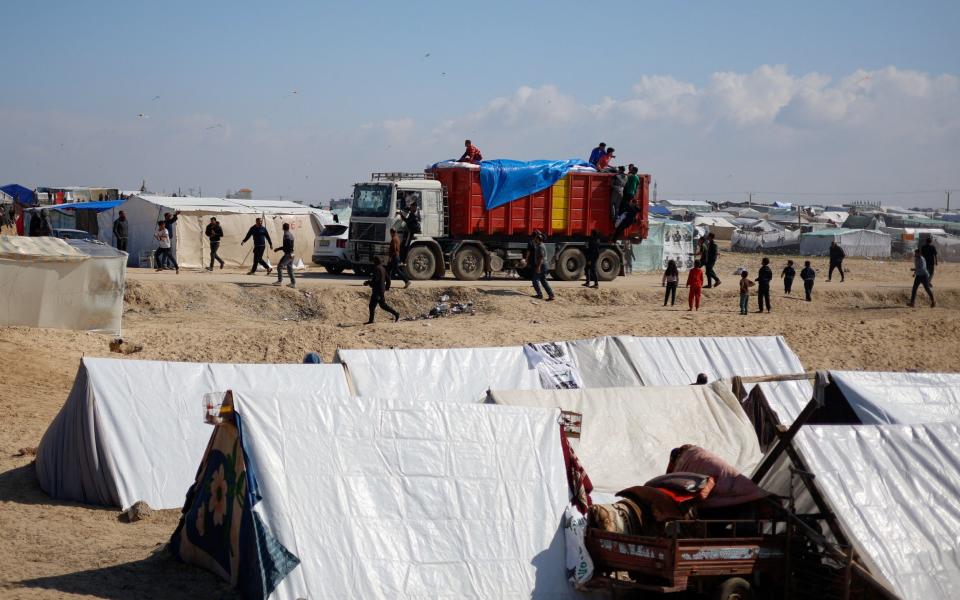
[(695, 283), (471, 154)]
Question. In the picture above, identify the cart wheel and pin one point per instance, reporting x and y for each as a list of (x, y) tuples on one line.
[(734, 588)]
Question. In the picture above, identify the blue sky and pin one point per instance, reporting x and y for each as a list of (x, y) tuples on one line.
[(709, 97)]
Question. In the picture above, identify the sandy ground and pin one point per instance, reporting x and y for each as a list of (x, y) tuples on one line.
[(51, 549)]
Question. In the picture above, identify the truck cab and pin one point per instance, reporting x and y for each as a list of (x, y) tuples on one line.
[(376, 207)]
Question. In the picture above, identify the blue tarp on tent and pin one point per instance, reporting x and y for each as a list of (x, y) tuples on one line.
[(660, 210), (504, 181), (19, 193), (98, 205)]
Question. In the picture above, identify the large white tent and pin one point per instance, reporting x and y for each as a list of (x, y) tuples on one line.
[(49, 282), (855, 242), (900, 398), (410, 500), (133, 429), (626, 434), (191, 246)]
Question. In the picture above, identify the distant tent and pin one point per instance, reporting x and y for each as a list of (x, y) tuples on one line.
[(663, 211), (20, 194), (721, 228), (855, 242)]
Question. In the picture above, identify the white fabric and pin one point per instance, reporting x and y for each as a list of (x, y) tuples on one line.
[(627, 433), (753, 240), (46, 282), (895, 490), (901, 398), (855, 242), (133, 429), (414, 499)]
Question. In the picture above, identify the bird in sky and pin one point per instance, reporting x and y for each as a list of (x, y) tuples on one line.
[(214, 126), (142, 116), (155, 98)]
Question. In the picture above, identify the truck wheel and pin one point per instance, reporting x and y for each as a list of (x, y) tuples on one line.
[(421, 263), (734, 588), (468, 264), (334, 270), (608, 265), (570, 265)]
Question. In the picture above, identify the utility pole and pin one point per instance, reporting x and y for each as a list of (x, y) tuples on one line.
[(749, 198), (948, 200)]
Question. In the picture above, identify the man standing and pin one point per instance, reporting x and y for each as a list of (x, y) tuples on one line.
[(592, 255), (713, 253), (471, 154), (411, 218), (616, 192), (929, 253), (379, 283), (162, 255), (168, 221), (836, 260), (394, 270), (807, 275), (764, 277), (631, 188), (596, 153), (121, 231), (540, 269), (261, 239), (920, 277), (287, 259), (214, 233)]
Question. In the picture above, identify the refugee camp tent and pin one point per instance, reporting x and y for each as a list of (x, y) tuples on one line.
[(721, 228), (627, 434), (133, 429), (666, 240), (894, 491), (880, 398), (948, 247), (781, 241), (19, 194), (49, 282), (191, 246), (855, 242), (371, 498)]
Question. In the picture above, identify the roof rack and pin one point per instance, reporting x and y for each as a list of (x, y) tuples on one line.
[(399, 175)]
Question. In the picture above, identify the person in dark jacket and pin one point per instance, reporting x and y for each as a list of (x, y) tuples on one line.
[(39, 226), (214, 233), (626, 219), (836, 260), (787, 275), (713, 253), (410, 218), (261, 239), (121, 232), (287, 259), (929, 253), (394, 270), (168, 220), (592, 255), (379, 283), (764, 277), (670, 280), (920, 277), (807, 275), (617, 185)]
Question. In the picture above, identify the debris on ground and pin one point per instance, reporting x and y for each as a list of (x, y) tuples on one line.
[(123, 347), (445, 308), (138, 512), (28, 451)]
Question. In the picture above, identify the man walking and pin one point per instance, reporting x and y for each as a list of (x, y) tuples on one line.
[(764, 277), (929, 253), (836, 260), (920, 277), (540, 269), (168, 221), (214, 233), (712, 254), (162, 255), (592, 255), (807, 275), (394, 270), (287, 259), (261, 239), (379, 283), (121, 231)]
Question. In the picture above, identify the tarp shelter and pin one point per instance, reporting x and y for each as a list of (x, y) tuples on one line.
[(721, 228), (380, 499), (626, 434), (880, 398), (191, 246), (662, 211), (895, 492), (775, 241), (49, 282), (855, 242), (134, 430), (666, 240), (21, 195)]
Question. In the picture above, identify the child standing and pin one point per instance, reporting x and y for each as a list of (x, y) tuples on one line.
[(787, 275), (764, 277), (807, 275), (745, 285), (695, 283), (671, 278)]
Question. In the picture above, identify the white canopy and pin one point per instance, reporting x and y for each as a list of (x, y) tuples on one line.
[(133, 429), (855, 242), (901, 398)]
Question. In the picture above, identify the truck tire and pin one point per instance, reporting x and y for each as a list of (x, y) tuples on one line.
[(421, 263), (608, 265), (570, 265), (334, 270), (468, 263), (734, 588)]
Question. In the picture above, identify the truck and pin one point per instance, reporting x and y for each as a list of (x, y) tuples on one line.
[(459, 234)]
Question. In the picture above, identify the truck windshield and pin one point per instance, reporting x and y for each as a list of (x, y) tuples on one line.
[(371, 201)]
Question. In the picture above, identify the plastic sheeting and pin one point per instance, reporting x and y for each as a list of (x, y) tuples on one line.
[(900, 398), (855, 242), (504, 181), (895, 490), (414, 500), (627, 433), (749, 241), (23, 195), (666, 240), (133, 429)]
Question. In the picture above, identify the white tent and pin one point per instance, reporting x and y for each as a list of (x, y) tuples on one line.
[(900, 398), (895, 492), (749, 241), (627, 434), (191, 246), (49, 282), (721, 228), (855, 242), (134, 430), (370, 498)]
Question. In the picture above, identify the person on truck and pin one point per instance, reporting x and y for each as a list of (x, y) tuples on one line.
[(592, 255), (379, 284), (597, 152), (471, 154), (617, 184), (261, 239), (410, 218), (627, 218), (394, 270), (603, 164), (540, 269), (631, 188)]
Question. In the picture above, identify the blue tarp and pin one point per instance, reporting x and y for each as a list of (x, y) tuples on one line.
[(97, 205), (660, 210), (19, 193), (504, 181)]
